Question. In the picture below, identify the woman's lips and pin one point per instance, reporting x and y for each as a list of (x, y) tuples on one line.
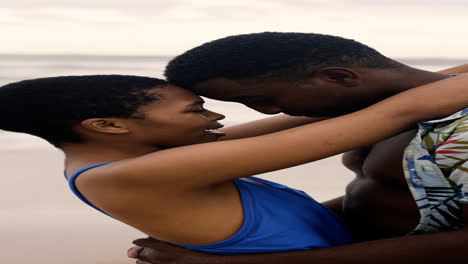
[(214, 132)]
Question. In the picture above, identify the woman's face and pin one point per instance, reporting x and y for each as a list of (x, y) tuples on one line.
[(177, 119)]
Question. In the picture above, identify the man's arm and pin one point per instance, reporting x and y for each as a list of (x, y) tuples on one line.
[(266, 126), (432, 248), (335, 205)]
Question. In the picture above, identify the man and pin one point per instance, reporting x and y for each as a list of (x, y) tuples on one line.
[(321, 75)]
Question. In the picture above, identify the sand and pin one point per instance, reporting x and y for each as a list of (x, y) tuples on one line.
[(41, 221)]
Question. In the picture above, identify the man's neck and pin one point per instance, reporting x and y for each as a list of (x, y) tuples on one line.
[(391, 82)]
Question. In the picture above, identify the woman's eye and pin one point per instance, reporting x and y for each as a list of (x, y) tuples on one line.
[(198, 110)]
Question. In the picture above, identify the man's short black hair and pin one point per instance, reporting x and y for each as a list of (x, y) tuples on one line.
[(49, 107), (251, 55)]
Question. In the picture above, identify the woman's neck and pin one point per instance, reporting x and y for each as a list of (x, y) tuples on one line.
[(89, 153)]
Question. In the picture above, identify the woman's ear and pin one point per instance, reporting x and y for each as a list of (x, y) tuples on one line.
[(106, 125), (338, 75)]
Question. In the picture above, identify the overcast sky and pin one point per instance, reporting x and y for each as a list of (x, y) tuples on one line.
[(397, 28)]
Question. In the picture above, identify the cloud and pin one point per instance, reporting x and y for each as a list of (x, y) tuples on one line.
[(240, 9), (151, 4), (107, 4), (406, 2), (170, 27)]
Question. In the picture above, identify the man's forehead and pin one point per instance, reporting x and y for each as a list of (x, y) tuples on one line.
[(223, 87)]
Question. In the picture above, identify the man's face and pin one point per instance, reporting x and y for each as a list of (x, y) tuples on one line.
[(311, 98)]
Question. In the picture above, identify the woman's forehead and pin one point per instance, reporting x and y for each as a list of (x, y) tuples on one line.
[(175, 94), (177, 91)]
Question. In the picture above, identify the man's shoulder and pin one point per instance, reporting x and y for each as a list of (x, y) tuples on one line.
[(437, 133)]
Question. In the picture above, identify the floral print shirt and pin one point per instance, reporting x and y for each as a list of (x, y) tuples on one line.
[(436, 169)]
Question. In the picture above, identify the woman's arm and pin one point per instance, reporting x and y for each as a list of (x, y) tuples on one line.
[(457, 69), (266, 126), (207, 164), (194, 179)]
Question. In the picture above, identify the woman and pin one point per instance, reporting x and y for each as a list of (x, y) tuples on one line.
[(133, 151)]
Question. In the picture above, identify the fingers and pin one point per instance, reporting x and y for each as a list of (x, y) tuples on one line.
[(144, 252), (142, 262), (153, 250), (151, 255), (134, 252), (147, 242)]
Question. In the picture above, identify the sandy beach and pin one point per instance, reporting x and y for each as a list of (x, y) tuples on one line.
[(41, 221)]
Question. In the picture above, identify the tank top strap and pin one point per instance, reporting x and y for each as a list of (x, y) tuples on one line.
[(282, 187), (71, 183), (269, 183)]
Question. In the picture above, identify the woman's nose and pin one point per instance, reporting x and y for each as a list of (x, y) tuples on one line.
[(215, 116), (219, 116)]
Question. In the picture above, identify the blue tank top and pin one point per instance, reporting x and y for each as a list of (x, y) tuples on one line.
[(276, 218)]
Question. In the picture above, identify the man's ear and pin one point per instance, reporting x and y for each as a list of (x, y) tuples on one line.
[(105, 125), (338, 75)]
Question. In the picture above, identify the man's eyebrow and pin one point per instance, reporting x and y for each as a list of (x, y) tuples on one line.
[(199, 102)]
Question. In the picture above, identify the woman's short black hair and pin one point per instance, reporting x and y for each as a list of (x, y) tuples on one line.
[(250, 55), (49, 107)]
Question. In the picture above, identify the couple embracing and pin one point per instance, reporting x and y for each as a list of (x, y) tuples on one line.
[(147, 153)]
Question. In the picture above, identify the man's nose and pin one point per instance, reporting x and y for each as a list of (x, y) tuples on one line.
[(266, 109)]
